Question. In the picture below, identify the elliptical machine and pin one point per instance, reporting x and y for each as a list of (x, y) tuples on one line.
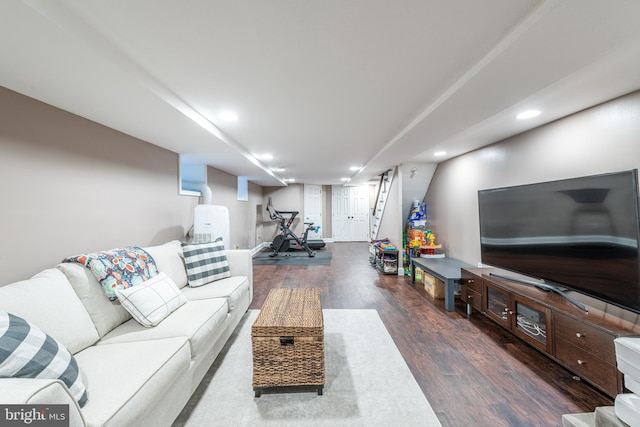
[(284, 241)]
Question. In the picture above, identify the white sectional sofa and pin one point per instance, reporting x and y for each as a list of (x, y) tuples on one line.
[(133, 375)]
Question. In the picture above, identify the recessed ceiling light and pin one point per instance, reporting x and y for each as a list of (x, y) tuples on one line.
[(529, 114), (344, 179), (355, 168), (277, 169), (265, 156), (290, 179), (439, 153), (228, 116)]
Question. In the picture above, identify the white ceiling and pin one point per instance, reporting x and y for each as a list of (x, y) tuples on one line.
[(320, 85)]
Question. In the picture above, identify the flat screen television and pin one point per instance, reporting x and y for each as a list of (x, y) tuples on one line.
[(580, 233)]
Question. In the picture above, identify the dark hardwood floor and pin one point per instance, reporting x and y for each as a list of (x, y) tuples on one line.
[(471, 371)]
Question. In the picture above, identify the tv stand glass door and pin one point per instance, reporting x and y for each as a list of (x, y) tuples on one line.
[(527, 319)]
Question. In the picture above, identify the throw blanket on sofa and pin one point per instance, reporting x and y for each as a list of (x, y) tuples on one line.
[(118, 268)]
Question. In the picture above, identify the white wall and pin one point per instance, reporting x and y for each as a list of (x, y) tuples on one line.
[(605, 138)]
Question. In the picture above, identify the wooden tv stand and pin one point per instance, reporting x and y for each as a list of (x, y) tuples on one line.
[(581, 342)]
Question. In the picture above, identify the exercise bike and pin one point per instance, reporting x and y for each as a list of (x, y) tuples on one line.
[(287, 239)]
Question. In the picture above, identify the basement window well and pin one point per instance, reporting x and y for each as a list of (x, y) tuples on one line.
[(192, 176)]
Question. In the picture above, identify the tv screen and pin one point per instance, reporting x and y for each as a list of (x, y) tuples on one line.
[(581, 233)]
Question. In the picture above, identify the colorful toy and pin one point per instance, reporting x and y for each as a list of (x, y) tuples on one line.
[(431, 246), (418, 211)]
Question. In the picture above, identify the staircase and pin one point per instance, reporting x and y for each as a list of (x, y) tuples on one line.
[(381, 201)]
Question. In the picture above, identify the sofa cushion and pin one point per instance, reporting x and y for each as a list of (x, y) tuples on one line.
[(169, 259), (27, 352), (42, 299), (627, 408), (232, 288), (150, 302), (33, 391), (201, 321), (628, 356), (118, 268), (105, 314), (632, 384), (205, 262), (125, 381)]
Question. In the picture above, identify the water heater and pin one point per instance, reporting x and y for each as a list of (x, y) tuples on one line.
[(211, 222)]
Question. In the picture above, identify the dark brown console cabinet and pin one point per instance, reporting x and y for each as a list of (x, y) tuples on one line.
[(581, 342)]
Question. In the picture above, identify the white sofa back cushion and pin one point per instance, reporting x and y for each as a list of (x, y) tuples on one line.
[(48, 301), (168, 258), (105, 314)]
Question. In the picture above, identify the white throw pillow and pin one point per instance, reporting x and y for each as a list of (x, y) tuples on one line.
[(153, 300)]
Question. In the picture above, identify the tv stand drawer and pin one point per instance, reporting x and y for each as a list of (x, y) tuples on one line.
[(473, 298), (586, 365), (596, 341), (472, 290)]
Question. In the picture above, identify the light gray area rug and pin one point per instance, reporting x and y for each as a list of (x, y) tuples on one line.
[(367, 383)]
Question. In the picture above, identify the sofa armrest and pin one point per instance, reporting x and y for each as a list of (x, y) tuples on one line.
[(241, 264), (40, 392)]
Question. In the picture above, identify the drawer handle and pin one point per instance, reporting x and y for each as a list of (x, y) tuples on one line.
[(581, 362), (469, 296), (287, 340), (579, 335), (470, 280)]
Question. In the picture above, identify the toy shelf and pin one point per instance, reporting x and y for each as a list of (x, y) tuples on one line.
[(384, 260)]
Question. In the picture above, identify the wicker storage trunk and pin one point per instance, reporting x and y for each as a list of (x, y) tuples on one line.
[(288, 341)]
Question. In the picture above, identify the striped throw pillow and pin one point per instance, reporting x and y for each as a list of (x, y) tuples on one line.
[(205, 262), (27, 352)]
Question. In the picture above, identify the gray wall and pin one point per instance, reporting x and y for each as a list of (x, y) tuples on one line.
[(69, 185), (602, 139), (291, 198), (245, 223)]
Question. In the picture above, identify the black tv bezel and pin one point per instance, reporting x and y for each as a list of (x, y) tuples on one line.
[(570, 286)]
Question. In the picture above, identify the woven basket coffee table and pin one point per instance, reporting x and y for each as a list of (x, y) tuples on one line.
[(287, 340)]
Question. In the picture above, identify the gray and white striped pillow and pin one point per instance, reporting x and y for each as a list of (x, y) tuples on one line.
[(205, 262), (27, 352)]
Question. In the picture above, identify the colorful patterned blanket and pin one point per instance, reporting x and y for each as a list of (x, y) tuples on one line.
[(118, 268)]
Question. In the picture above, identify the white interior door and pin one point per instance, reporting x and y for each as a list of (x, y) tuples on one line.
[(359, 202), (340, 213), (313, 209), (350, 216)]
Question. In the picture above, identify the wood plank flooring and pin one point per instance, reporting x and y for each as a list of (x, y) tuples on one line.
[(471, 371)]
